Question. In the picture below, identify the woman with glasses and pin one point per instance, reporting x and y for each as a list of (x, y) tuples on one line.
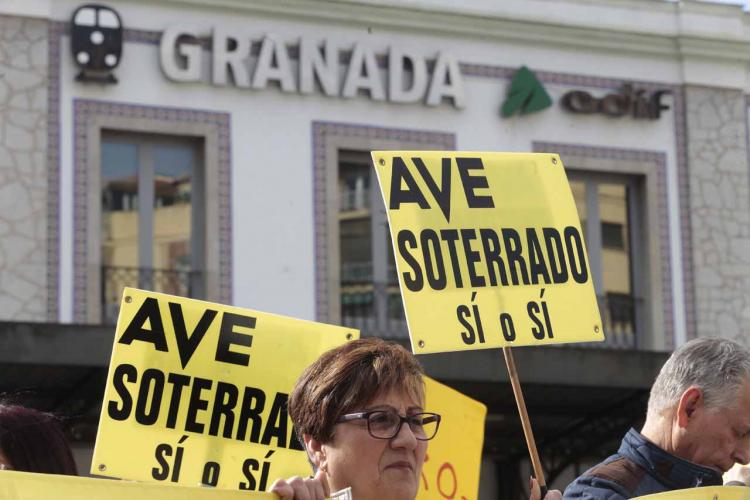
[(360, 411)]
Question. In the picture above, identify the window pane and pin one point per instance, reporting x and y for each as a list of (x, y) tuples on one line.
[(174, 168), (613, 212), (355, 231), (354, 186), (616, 259), (119, 204), (119, 220), (579, 195), (356, 251), (153, 244), (370, 295)]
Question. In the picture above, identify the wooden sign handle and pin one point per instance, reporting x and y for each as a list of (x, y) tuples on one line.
[(527, 432)]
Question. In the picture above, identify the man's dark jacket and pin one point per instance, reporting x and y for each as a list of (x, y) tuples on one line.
[(639, 468)]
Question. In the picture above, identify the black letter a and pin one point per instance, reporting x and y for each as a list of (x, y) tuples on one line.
[(410, 195), (135, 331)]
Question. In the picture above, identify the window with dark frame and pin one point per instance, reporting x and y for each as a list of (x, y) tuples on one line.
[(155, 245), (606, 205), (370, 297)]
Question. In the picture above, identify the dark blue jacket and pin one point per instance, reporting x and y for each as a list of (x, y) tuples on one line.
[(639, 468)]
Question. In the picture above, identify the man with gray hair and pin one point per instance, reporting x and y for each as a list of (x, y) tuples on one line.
[(697, 427)]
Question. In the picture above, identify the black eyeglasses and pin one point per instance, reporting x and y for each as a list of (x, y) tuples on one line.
[(386, 424)]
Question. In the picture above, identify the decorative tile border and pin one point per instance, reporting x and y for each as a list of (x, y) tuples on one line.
[(84, 111), (660, 160), (54, 32), (322, 132)]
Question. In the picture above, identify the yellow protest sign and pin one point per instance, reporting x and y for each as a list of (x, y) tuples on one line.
[(705, 493), (27, 486), (451, 468), (197, 392), (489, 250)]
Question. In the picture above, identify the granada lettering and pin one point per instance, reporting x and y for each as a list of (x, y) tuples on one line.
[(239, 60)]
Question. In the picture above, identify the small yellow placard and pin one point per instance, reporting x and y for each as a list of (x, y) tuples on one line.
[(705, 493), (28, 486), (451, 469), (489, 250), (196, 393)]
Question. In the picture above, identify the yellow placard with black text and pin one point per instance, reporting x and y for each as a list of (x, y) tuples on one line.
[(197, 393), (704, 493), (489, 250), (29, 486), (451, 468)]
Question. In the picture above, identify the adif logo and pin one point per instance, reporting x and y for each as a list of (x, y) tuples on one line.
[(525, 94), (96, 42)]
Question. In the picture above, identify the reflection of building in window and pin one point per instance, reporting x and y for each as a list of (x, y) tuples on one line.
[(150, 245), (354, 184), (370, 298), (612, 236), (120, 195), (604, 205)]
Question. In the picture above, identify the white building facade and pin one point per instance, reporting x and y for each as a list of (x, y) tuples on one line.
[(226, 154)]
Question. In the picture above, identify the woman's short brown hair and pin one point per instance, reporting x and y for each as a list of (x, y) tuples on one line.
[(346, 379)]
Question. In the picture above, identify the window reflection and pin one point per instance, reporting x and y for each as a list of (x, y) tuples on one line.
[(119, 204), (149, 244), (616, 259), (363, 294), (605, 200), (173, 174), (355, 228), (579, 195)]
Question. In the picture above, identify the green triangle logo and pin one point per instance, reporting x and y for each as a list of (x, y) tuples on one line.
[(525, 94)]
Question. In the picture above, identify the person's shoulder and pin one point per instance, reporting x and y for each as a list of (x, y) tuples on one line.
[(614, 479), (620, 471)]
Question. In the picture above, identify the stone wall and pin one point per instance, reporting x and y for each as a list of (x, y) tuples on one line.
[(23, 168), (719, 210)]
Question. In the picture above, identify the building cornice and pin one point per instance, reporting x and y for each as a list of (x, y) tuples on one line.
[(679, 37)]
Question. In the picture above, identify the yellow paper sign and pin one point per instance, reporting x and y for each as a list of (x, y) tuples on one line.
[(706, 493), (451, 469), (27, 486), (196, 393), (489, 250)]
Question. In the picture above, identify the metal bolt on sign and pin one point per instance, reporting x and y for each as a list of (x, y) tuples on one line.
[(128, 299), (102, 467)]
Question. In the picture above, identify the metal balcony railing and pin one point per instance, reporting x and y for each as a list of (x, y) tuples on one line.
[(375, 310), (356, 272), (354, 197), (619, 313), (184, 283)]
